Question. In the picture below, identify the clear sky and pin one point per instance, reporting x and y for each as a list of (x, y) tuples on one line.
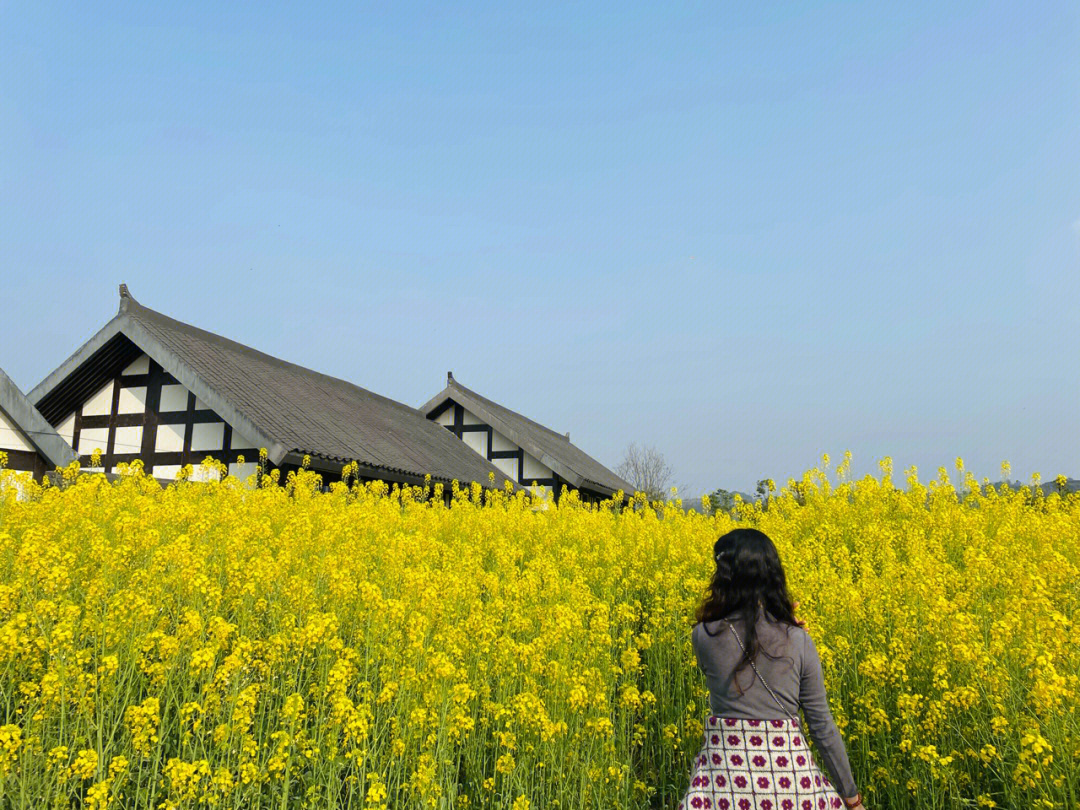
[(744, 233)]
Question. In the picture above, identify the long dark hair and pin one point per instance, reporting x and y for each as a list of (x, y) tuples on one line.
[(748, 578)]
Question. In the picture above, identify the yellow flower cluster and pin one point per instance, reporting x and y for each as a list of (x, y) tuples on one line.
[(224, 644)]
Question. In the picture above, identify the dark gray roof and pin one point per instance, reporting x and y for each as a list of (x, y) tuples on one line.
[(288, 409), (553, 449), (38, 432)]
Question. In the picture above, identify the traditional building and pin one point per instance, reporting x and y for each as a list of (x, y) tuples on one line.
[(149, 387), (30, 443), (525, 450)]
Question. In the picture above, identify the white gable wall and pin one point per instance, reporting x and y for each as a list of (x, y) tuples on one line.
[(91, 439), (141, 365), (534, 470), (132, 400), (11, 437), (128, 439), (508, 466), (169, 439), (500, 442), (173, 398), (66, 428), (206, 437), (100, 403), (15, 481), (477, 440), (243, 471)]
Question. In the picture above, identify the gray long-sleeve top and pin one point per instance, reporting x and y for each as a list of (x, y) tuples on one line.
[(795, 676)]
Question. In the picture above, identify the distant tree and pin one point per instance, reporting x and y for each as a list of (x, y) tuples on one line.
[(647, 470), (765, 488), (720, 500)]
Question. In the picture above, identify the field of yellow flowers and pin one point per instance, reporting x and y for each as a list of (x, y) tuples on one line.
[(222, 645)]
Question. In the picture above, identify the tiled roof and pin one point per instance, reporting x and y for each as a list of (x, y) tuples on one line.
[(552, 448), (289, 409)]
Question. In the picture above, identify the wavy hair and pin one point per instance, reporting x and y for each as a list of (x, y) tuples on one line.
[(747, 579)]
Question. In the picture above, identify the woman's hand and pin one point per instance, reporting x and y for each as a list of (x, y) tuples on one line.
[(798, 621)]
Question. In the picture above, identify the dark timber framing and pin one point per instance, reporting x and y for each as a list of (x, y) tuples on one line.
[(26, 461), (459, 429), (569, 466), (149, 420)]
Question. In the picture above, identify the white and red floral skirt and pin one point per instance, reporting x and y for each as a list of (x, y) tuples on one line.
[(756, 765)]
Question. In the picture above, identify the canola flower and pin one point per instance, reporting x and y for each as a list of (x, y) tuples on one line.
[(250, 644)]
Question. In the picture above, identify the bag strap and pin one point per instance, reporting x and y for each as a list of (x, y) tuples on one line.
[(763, 682)]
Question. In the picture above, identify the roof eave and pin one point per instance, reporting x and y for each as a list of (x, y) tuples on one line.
[(323, 463), (142, 338), (605, 489)]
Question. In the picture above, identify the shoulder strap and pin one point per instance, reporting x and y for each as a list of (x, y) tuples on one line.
[(763, 683)]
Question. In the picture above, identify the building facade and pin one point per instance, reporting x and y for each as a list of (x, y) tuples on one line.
[(149, 387), (526, 451), (142, 412)]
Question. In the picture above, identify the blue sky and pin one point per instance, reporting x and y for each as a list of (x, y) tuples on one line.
[(746, 234)]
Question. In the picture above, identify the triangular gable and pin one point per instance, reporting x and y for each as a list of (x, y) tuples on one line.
[(31, 425), (552, 449), (129, 327)]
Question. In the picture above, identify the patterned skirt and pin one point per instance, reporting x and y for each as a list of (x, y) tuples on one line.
[(756, 765)]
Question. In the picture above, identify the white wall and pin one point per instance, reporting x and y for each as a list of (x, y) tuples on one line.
[(201, 473), (534, 470), (141, 365), (11, 438), (91, 439), (173, 398), (170, 439), (66, 428), (132, 400), (206, 437), (242, 471), (477, 440), (17, 482), (500, 442), (508, 466), (100, 403), (128, 439), (241, 442)]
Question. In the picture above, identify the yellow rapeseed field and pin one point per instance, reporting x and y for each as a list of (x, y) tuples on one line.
[(223, 645)]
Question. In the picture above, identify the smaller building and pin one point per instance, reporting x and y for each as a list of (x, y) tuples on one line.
[(30, 443), (526, 451)]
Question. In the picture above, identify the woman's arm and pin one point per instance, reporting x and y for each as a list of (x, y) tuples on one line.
[(694, 644), (820, 723)]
